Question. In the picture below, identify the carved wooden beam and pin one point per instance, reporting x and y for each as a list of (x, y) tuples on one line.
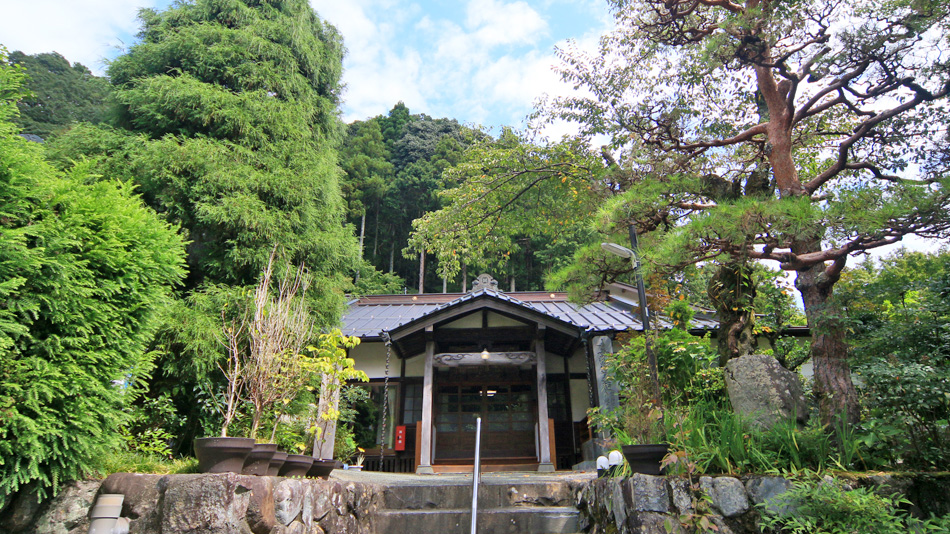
[(456, 359)]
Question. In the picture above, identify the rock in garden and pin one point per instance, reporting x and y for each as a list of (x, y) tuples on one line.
[(728, 495), (760, 388)]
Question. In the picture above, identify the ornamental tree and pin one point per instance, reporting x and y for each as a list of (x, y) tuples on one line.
[(802, 132)]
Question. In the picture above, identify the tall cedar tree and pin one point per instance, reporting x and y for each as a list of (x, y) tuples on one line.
[(84, 269), (228, 122)]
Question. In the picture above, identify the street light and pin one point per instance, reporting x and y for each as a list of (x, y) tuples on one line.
[(624, 252)]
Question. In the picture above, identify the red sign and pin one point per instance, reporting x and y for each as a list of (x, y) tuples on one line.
[(401, 438)]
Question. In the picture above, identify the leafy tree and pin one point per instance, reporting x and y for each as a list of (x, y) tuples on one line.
[(366, 161), (60, 94), (512, 193), (84, 270)]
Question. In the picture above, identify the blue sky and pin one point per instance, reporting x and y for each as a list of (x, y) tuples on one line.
[(479, 61)]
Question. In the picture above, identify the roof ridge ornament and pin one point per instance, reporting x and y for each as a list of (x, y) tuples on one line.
[(485, 281)]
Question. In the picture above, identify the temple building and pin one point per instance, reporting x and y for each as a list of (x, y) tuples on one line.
[(530, 363)]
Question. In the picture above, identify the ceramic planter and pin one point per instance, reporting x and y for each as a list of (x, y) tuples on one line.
[(258, 460), (645, 458), (322, 468), (276, 462), (222, 455), (296, 465)]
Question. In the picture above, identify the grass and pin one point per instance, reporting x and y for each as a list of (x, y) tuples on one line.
[(137, 462)]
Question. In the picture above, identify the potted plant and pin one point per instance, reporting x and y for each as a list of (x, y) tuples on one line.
[(358, 460), (643, 440), (296, 465), (224, 453)]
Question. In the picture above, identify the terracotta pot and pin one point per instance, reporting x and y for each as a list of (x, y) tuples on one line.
[(222, 455), (276, 462), (296, 465), (322, 468), (645, 458), (258, 461)]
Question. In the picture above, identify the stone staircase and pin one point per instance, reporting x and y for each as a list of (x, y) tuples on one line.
[(509, 504)]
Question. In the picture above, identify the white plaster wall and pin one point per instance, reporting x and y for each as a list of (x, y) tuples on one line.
[(580, 399), (370, 357), (416, 366)]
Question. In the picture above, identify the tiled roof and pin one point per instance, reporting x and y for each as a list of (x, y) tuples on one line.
[(369, 316)]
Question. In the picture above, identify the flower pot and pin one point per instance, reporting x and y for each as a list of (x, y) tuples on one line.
[(222, 455), (322, 468), (258, 460), (646, 458), (296, 465), (354, 468), (276, 462)]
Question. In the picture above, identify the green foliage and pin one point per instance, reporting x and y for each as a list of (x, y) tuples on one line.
[(914, 398), (60, 94), (234, 107), (118, 461), (900, 317), (84, 267), (720, 441), (685, 363), (512, 197), (828, 508)]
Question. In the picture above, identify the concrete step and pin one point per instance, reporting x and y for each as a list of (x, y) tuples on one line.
[(511, 520), (490, 496)]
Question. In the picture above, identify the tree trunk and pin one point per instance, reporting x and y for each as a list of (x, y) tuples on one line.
[(362, 232), (422, 272), (464, 278), (392, 258), (829, 352), (732, 291)]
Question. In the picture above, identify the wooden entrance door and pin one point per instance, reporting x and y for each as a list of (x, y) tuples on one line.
[(509, 413)]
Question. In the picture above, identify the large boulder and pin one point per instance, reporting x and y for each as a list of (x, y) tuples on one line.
[(760, 388), (67, 513)]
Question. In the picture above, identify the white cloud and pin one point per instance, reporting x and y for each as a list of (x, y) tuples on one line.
[(496, 23), (87, 31)]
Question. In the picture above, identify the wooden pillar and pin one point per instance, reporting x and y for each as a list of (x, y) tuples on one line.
[(544, 439), (425, 443)]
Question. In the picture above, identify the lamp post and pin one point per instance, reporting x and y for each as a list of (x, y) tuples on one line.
[(625, 252)]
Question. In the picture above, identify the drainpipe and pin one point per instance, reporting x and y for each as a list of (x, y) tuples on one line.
[(104, 517)]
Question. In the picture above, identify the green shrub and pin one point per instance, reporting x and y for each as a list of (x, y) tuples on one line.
[(83, 268), (828, 508), (909, 417)]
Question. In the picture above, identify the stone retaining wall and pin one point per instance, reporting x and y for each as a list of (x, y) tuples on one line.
[(212, 504), (645, 504), (228, 503)]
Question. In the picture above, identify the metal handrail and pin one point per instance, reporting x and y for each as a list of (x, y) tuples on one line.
[(476, 474)]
